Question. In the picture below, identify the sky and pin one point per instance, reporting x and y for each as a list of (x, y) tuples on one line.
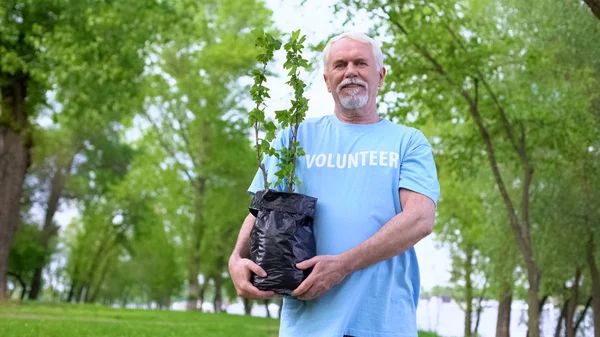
[(316, 20)]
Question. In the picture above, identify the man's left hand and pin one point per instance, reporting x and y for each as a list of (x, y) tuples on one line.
[(328, 270)]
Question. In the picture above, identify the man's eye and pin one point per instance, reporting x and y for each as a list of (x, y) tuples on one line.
[(339, 65)]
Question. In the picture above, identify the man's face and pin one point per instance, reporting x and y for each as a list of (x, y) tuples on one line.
[(351, 73)]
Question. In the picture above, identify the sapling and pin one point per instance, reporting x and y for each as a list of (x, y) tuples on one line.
[(259, 93), (291, 117), (282, 235), (295, 114)]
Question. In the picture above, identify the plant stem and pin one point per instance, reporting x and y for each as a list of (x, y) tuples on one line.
[(258, 152)]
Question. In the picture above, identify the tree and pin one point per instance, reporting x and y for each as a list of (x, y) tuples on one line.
[(192, 99), (453, 62), (90, 52), (52, 163), (594, 6), (24, 255)]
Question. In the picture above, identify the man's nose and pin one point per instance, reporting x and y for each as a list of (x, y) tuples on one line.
[(351, 71)]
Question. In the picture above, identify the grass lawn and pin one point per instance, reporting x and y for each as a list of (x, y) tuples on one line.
[(72, 320)]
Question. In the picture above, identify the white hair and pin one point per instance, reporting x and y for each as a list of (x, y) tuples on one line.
[(358, 36)]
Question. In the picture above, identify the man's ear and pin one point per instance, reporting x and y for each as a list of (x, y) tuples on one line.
[(382, 73), (326, 82)]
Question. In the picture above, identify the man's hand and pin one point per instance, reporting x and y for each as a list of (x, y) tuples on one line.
[(241, 270), (328, 270)]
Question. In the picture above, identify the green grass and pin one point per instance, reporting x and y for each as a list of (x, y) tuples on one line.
[(73, 320), (68, 320)]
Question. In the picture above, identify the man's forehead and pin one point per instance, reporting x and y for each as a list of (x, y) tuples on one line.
[(346, 47)]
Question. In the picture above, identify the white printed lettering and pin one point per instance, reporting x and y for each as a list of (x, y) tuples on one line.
[(364, 157), (310, 160), (329, 160), (337, 161), (320, 160), (373, 158), (383, 158), (394, 159), (353, 160)]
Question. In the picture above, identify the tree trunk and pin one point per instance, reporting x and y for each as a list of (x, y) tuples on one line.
[(533, 310), (594, 6), (194, 267), (201, 295), (15, 146), (50, 229), (88, 292), (36, 282), (247, 306), (80, 292), (479, 309), (504, 310), (280, 308), (98, 286), (106, 245), (218, 299), (572, 306), (71, 292), (540, 306), (21, 282), (595, 285), (192, 298), (124, 296), (559, 324), (266, 302), (468, 292), (582, 314)]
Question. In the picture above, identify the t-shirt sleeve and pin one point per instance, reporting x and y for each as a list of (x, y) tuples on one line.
[(417, 169), (270, 163)]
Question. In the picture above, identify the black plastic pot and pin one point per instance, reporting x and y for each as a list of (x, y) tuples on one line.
[(281, 237)]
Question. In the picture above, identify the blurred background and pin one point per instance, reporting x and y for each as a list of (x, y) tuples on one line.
[(125, 155)]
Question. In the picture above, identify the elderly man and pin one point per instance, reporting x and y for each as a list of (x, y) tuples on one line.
[(376, 184)]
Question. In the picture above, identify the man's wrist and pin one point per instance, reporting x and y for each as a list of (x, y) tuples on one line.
[(349, 262), (235, 257)]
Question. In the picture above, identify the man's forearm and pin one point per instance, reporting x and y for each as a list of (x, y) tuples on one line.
[(242, 246), (398, 235)]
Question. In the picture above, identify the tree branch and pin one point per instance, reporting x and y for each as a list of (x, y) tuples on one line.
[(519, 148), (473, 108), (528, 172), (594, 6), (18, 277), (582, 315), (186, 141), (168, 149)]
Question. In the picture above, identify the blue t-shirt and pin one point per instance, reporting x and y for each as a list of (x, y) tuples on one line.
[(355, 171)]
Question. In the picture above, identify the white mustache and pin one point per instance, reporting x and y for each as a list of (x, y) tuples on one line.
[(353, 80)]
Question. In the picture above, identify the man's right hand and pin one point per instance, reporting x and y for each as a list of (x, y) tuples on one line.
[(241, 269)]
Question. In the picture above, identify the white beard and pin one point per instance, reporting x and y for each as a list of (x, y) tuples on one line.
[(351, 99), (354, 102)]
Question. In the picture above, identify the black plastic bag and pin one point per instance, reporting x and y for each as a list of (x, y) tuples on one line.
[(281, 237)]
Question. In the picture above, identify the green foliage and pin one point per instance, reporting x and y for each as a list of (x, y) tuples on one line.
[(295, 114), (290, 118), (196, 143), (513, 87), (148, 98), (25, 252), (267, 45)]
